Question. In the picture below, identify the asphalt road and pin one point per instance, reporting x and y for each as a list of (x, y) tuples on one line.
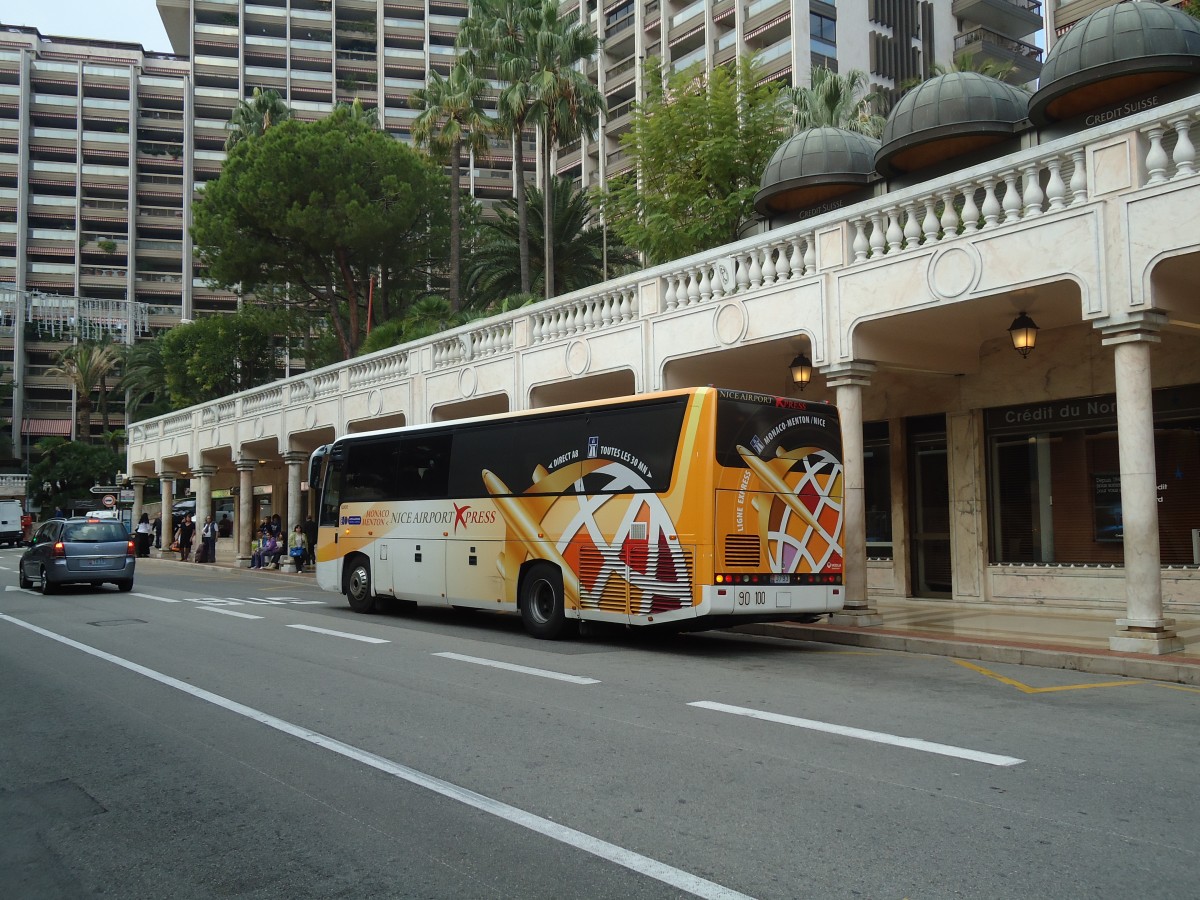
[(235, 734)]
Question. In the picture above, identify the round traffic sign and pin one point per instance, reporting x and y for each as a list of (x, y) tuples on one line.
[(109, 501)]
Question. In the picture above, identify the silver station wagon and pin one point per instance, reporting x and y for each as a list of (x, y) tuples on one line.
[(82, 550)]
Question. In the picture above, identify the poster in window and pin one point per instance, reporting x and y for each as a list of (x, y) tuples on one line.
[(1106, 501)]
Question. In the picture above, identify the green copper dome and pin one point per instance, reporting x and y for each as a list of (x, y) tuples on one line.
[(813, 166), (947, 116), (1116, 53)]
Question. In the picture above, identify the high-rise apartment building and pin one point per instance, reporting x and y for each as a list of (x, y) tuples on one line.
[(104, 146), (893, 41)]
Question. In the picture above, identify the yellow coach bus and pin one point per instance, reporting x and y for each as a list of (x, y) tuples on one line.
[(693, 508)]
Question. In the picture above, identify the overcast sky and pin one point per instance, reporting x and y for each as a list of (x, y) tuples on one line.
[(115, 20)]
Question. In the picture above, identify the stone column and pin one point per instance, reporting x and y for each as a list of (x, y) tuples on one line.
[(849, 380), (139, 496), (245, 511), (166, 480), (295, 513), (1143, 630), (967, 475), (203, 493)]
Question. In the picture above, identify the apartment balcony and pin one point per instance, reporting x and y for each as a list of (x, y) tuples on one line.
[(983, 44), (96, 175), (105, 111), (569, 160), (764, 13), (103, 276), (112, 212), (161, 284), (209, 160), (258, 12), (621, 75), (266, 77), (161, 216), (52, 276), (109, 244), (51, 207), (404, 29), (51, 173), (1015, 18), (619, 115), (156, 249), (109, 77)]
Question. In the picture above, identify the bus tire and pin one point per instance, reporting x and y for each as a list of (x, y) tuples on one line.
[(542, 609), (359, 591)]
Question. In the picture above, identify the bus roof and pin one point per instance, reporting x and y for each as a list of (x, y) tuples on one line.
[(744, 396)]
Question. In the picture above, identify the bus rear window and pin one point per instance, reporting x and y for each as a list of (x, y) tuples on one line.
[(766, 429)]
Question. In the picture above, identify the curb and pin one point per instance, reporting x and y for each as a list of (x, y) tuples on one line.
[(1172, 668)]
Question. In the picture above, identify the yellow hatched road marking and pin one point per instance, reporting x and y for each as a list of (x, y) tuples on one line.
[(1026, 689)]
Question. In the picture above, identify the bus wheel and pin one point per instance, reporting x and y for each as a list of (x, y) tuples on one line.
[(542, 602), (358, 586)]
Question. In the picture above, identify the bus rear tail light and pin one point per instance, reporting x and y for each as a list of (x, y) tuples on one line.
[(807, 578)]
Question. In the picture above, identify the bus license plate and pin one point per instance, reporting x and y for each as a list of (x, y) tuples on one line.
[(780, 579)]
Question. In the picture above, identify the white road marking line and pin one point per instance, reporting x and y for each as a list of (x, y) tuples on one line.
[(159, 599), (20, 590), (511, 667), (878, 737), (345, 634), (620, 856), (228, 612), (264, 601)]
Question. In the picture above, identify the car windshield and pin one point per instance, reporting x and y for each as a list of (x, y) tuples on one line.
[(94, 532)]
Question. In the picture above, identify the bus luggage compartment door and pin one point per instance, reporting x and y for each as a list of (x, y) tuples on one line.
[(418, 569)]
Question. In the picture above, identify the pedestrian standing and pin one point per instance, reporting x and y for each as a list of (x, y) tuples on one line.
[(208, 537), (156, 527), (310, 535), (144, 534), (298, 547), (187, 532)]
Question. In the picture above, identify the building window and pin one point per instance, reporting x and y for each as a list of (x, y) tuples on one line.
[(877, 489), (822, 34), (1054, 483)]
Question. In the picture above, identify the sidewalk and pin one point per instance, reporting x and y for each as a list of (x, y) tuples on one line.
[(226, 559), (1051, 637), (1057, 638)]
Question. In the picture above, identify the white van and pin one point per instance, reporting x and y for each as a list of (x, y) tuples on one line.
[(10, 522)]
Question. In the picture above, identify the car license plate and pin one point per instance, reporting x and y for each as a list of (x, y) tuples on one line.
[(96, 563)]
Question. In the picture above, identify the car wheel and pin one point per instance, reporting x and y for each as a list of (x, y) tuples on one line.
[(125, 584), (23, 578), (542, 609), (359, 592), (48, 587)]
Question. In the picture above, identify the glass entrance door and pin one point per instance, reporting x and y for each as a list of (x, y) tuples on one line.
[(930, 511)]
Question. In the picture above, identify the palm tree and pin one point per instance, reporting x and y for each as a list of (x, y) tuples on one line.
[(566, 105), (835, 100), (497, 37), (451, 115), (144, 380), (254, 116), (87, 366), (579, 247), (356, 112)]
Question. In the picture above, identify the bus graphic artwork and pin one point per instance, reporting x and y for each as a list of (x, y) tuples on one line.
[(615, 547), (801, 519)]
